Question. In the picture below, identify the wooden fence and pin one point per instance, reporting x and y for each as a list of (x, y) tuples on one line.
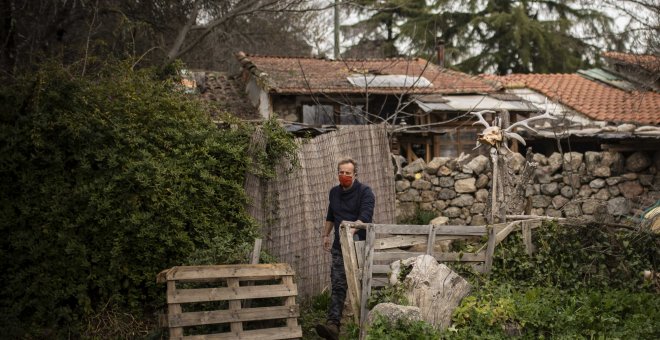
[(232, 290), (367, 262)]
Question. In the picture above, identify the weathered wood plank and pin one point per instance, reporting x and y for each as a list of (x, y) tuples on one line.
[(379, 282), (359, 253), (350, 267), (395, 255), (400, 229), (242, 271), (291, 321), (490, 251), (527, 238), (431, 241), (228, 316), (234, 306), (173, 310), (231, 293), (258, 334), (460, 257), (399, 241), (367, 273)]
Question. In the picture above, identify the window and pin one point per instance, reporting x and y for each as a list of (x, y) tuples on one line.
[(318, 114), (352, 115)]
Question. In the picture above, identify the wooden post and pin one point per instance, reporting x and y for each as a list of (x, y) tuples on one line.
[(527, 238), (366, 276), (351, 268), (431, 241), (173, 310), (235, 307), (256, 251), (493, 188), (291, 323), (490, 249)]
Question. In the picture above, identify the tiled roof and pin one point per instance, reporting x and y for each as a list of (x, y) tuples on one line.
[(593, 99), (646, 61), (228, 94), (300, 75)]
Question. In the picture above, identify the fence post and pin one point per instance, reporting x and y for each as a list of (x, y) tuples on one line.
[(351, 268), (366, 275), (490, 249), (173, 310)]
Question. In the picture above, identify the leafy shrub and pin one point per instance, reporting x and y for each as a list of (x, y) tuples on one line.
[(106, 180), (383, 329)]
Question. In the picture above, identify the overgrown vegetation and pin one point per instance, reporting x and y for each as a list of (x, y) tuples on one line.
[(106, 180), (582, 282)]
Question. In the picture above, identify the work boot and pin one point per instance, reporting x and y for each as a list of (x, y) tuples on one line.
[(328, 331)]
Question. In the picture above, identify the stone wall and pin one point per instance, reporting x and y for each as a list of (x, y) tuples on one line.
[(593, 184)]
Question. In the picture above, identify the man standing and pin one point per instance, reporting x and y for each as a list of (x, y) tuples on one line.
[(349, 201)]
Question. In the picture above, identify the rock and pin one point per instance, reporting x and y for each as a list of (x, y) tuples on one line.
[(540, 201), (463, 200), (646, 180), (539, 159), (444, 171), (421, 184), (445, 181), (618, 206), (440, 220), (572, 180), (428, 196), (555, 162), (566, 191), (478, 220), (559, 201), (615, 161), (602, 171), (457, 221), (482, 181), (481, 195), (435, 164), (550, 189), (613, 180), (630, 176), (446, 194), (478, 208), (394, 313), (402, 185), (537, 212), (478, 164), (515, 161), (585, 191), (614, 190), (405, 209), (553, 212), (597, 183), (452, 212), (413, 168), (462, 176), (572, 161), (544, 179), (572, 209), (426, 206), (603, 194), (589, 206), (439, 205), (631, 189), (638, 162), (408, 196), (465, 185), (467, 171)]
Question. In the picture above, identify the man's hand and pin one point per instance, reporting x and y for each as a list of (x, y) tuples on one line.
[(327, 243)]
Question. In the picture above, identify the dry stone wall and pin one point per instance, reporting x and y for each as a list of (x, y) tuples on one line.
[(593, 185)]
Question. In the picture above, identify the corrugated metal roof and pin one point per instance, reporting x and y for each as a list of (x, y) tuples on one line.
[(476, 103), (607, 78)]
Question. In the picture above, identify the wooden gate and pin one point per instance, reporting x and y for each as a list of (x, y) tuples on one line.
[(232, 290), (367, 262)]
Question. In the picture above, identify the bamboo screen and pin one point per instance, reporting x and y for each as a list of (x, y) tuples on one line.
[(291, 208)]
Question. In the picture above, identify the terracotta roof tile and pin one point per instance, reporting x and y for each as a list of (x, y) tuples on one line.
[(646, 61), (298, 75), (228, 94), (593, 99)]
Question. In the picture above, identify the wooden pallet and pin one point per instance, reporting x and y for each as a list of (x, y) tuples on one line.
[(232, 286)]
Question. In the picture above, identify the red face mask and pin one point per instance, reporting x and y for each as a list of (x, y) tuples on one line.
[(345, 181)]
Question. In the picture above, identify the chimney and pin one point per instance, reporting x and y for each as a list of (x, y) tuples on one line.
[(441, 52)]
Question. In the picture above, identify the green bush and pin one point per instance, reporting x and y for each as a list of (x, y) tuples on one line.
[(106, 180), (383, 329)]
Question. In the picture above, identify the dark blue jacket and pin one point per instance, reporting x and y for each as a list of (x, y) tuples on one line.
[(356, 203)]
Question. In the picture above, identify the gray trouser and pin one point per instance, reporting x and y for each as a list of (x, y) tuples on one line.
[(339, 286)]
